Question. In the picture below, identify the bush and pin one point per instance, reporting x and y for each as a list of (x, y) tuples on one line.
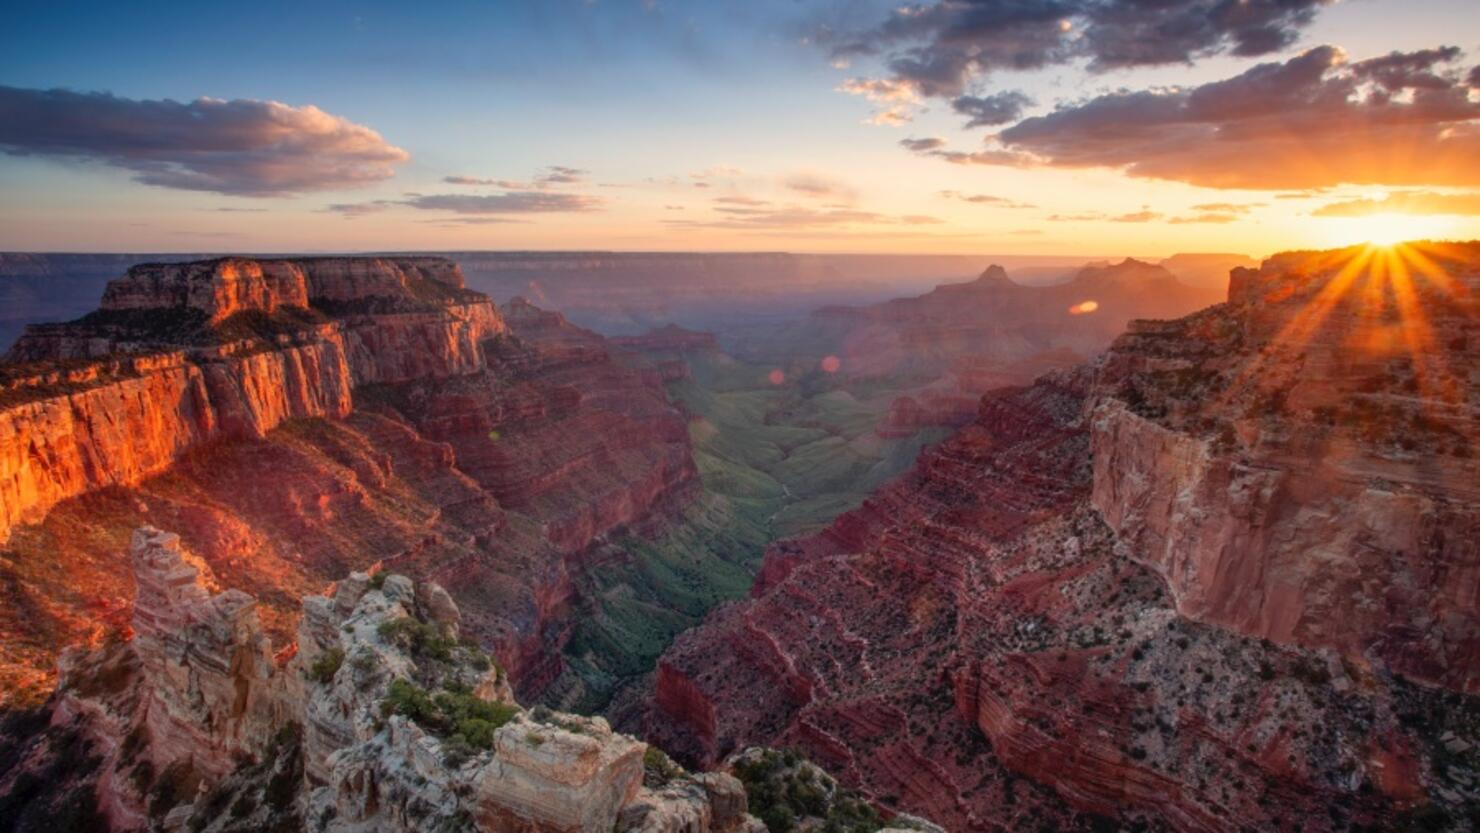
[(658, 769), (458, 715), (422, 639), (326, 666)]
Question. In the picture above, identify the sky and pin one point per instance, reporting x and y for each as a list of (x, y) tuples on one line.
[(954, 126)]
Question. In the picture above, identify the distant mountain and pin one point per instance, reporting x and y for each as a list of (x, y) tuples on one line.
[(991, 331), (1207, 270)]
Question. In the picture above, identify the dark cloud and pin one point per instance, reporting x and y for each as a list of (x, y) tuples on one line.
[(937, 148), (991, 110), (922, 145), (1309, 122), (1407, 202), (240, 147), (938, 49)]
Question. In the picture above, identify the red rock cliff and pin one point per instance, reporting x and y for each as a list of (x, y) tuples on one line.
[(1299, 463), (1014, 637), (116, 397)]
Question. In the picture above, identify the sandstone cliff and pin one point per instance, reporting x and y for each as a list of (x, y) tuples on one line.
[(383, 720), (1101, 603), (408, 424), (1299, 463), (183, 354)]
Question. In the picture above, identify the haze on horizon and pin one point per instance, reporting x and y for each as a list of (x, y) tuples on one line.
[(1033, 126)]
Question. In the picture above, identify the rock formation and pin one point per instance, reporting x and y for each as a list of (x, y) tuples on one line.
[(1299, 464), (383, 720), (1222, 580), (398, 418), (183, 354)]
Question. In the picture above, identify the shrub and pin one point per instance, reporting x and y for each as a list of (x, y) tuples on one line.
[(422, 639), (458, 715), (658, 769), (326, 666)]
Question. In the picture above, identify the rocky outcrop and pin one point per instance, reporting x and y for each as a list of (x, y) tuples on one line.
[(1299, 465), (1057, 618), (108, 401), (382, 720)]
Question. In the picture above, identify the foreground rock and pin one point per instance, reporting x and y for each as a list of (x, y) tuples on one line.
[(1096, 606), (383, 720)]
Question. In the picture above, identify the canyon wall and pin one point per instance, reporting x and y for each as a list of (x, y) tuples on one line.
[(1102, 604), (1299, 464), (287, 447), (117, 418)]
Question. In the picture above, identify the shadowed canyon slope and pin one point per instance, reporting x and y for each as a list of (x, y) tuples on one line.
[(296, 419), (1226, 573)]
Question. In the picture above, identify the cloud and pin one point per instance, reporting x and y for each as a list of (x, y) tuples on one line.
[(891, 117), (799, 217), (815, 185), (922, 145), (897, 99), (240, 147), (454, 222), (938, 49), (473, 180), (1209, 217), (991, 110), (1136, 217), (740, 200), (993, 156), (351, 210), (512, 202), (1227, 207), (718, 172), (551, 176), (1407, 202), (227, 210), (986, 199), (1313, 121)]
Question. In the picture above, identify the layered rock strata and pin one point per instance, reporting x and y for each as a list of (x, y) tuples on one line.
[(195, 726), (1221, 581), (184, 354), (492, 477)]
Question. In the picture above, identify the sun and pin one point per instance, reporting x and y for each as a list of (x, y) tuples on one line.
[(1385, 230)]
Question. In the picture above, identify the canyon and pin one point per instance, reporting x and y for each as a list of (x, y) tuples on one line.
[(1073, 556), (1223, 577)]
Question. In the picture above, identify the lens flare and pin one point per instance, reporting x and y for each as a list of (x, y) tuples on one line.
[(1084, 307)]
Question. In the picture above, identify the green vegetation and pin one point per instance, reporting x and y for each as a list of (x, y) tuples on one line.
[(776, 462), (658, 769), (326, 666), (789, 793), (467, 722), (421, 639)]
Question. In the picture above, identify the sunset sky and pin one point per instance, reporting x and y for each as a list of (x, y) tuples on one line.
[(1033, 126)]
